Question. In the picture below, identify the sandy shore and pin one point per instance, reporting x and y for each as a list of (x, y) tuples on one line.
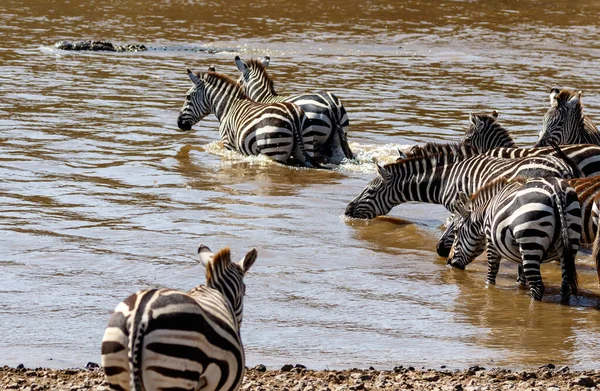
[(298, 378)]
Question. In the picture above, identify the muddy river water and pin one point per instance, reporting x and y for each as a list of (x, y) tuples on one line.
[(100, 195)]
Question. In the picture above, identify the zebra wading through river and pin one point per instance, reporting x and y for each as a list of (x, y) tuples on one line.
[(326, 112), (438, 177), (277, 130), (486, 135), (162, 339), (565, 123), (522, 221)]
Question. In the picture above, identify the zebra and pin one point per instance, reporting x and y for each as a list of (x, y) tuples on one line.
[(565, 123), (522, 221), (438, 177), (326, 112), (487, 135), (161, 339), (277, 130)]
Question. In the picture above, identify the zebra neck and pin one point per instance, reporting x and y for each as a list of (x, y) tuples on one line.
[(425, 186), (222, 95)]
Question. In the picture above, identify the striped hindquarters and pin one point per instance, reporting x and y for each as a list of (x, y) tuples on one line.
[(173, 340)]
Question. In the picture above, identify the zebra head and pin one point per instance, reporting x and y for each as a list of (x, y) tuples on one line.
[(255, 80), (196, 105), (377, 199), (485, 133), (447, 239), (563, 120), (227, 277), (468, 243)]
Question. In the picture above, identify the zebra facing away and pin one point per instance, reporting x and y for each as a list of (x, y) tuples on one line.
[(326, 112), (523, 221), (162, 339), (278, 130), (438, 177), (565, 123)]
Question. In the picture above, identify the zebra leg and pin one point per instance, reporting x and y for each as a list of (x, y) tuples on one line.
[(521, 280), (533, 276), (115, 357), (493, 259)]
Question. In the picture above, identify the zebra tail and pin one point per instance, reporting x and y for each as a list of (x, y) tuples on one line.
[(136, 343), (344, 141), (563, 156), (568, 256), (309, 160), (596, 252)]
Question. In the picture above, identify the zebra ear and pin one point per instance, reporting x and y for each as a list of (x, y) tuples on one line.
[(553, 94), (241, 65), (265, 61), (574, 101), (385, 174), (193, 77), (204, 255), (211, 68), (248, 260), (401, 155), (495, 114), (474, 119)]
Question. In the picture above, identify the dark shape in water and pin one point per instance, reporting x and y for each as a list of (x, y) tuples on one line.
[(105, 46)]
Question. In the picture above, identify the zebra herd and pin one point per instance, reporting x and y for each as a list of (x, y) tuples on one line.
[(502, 196), (528, 205)]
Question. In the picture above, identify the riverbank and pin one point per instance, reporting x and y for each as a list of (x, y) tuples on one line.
[(298, 378)]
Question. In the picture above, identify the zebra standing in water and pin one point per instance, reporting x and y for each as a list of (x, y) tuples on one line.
[(438, 177), (486, 134), (162, 339), (277, 130), (326, 112), (522, 221), (565, 123)]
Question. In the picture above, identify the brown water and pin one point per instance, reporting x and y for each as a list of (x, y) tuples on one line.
[(101, 196)]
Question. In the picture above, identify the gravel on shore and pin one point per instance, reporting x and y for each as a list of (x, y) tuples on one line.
[(299, 378)]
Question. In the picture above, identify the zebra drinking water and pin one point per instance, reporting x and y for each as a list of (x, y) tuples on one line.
[(326, 112), (162, 339), (277, 130), (523, 221), (438, 177), (565, 123)]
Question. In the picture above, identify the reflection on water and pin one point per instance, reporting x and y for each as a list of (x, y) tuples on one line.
[(101, 195)]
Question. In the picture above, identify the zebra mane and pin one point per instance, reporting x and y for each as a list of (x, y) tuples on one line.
[(259, 66), (496, 185), (217, 265), (216, 77), (432, 149)]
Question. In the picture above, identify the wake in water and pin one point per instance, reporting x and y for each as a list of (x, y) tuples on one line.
[(366, 155)]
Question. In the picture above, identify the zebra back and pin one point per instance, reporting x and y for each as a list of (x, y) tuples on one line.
[(565, 123), (520, 219), (437, 178), (167, 339), (325, 111)]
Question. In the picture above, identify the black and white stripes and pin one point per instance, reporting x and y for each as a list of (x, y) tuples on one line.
[(325, 111), (522, 221), (565, 123), (278, 130), (162, 339)]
